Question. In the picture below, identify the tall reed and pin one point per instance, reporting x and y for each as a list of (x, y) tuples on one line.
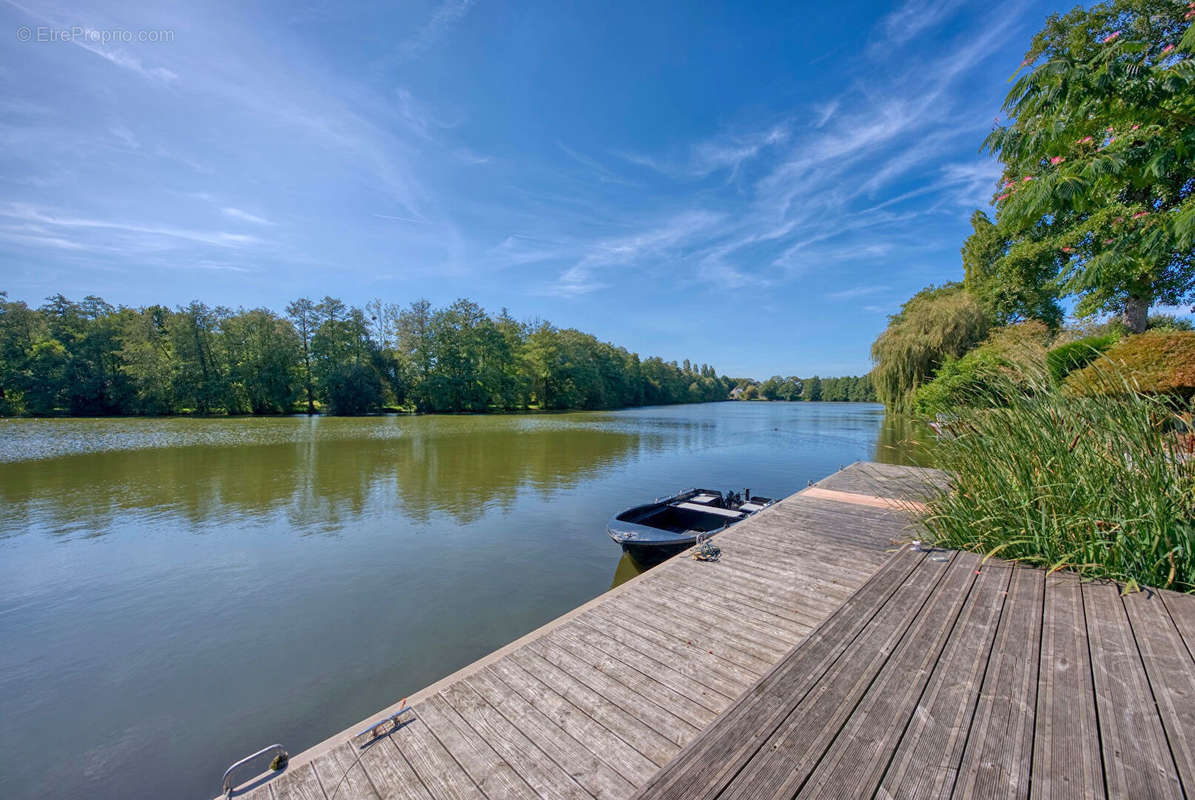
[(1099, 484)]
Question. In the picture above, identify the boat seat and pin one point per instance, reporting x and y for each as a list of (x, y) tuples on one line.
[(722, 512), (750, 506), (704, 498)]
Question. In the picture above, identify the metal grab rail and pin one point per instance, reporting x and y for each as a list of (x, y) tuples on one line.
[(226, 785)]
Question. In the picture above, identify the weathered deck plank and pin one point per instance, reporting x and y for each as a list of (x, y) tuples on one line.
[(790, 755), (711, 762), (1000, 745), (299, 783), (622, 757), (1066, 751), (926, 763), (855, 763), (591, 704), (1137, 760), (390, 773), (1171, 673)]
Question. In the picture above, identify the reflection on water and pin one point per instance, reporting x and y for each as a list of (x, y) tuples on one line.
[(904, 440), (627, 568), (185, 591), (317, 483)]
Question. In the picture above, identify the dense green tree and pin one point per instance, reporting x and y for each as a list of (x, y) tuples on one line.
[(48, 389), (770, 389), (415, 348), (88, 336), (343, 360), (302, 313), (200, 375), (264, 357), (1010, 286), (147, 360), (20, 329), (1099, 162), (813, 389)]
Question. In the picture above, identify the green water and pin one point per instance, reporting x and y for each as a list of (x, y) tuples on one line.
[(177, 593)]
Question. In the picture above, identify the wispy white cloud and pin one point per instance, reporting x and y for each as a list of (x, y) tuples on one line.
[(597, 168), (245, 216), (670, 239), (447, 15), (914, 17), (856, 291), (139, 235)]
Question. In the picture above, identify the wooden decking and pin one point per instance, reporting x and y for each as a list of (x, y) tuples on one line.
[(597, 702), (947, 677), (818, 658)]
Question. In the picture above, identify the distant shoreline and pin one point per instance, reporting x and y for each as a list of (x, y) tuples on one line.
[(394, 412)]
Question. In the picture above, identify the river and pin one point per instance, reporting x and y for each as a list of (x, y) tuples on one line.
[(177, 593)]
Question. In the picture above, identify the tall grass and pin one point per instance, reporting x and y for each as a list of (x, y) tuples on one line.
[(1102, 485)]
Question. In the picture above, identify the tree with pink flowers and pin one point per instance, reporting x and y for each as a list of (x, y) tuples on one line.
[(1097, 199)]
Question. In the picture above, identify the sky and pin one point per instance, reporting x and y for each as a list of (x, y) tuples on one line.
[(753, 185)]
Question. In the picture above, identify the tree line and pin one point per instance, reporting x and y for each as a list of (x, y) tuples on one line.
[(849, 388), (92, 358)]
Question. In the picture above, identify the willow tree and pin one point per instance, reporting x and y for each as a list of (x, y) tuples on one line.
[(1099, 159), (935, 325)]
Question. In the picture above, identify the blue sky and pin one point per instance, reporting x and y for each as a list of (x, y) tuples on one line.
[(755, 186)]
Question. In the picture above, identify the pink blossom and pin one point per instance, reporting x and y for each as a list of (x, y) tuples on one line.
[(1140, 214), (1167, 49), (1135, 127), (1027, 178), (1111, 37), (1056, 160), (1068, 249), (1109, 129), (1002, 197), (1009, 185), (1085, 140)]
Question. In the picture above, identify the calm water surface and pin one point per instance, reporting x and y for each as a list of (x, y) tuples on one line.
[(177, 593)]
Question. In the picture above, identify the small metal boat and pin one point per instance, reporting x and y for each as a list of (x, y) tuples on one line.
[(652, 532)]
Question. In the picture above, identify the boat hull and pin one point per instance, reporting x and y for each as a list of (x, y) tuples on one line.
[(654, 532)]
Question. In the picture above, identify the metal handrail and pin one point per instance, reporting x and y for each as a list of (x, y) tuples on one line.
[(226, 785)]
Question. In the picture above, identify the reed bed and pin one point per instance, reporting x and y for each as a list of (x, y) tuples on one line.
[(1103, 485)]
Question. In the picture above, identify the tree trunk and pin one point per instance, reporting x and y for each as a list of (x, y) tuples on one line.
[(1136, 309)]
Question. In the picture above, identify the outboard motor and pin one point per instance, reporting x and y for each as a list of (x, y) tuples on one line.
[(747, 495)]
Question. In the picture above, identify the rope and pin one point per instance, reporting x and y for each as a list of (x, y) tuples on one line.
[(706, 550), (365, 747)]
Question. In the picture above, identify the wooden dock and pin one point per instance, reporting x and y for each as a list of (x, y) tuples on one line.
[(817, 657), (948, 677)]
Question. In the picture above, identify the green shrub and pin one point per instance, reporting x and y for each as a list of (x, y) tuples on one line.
[(1008, 357), (1160, 362), (1168, 322), (1066, 358), (963, 382), (1096, 484)]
